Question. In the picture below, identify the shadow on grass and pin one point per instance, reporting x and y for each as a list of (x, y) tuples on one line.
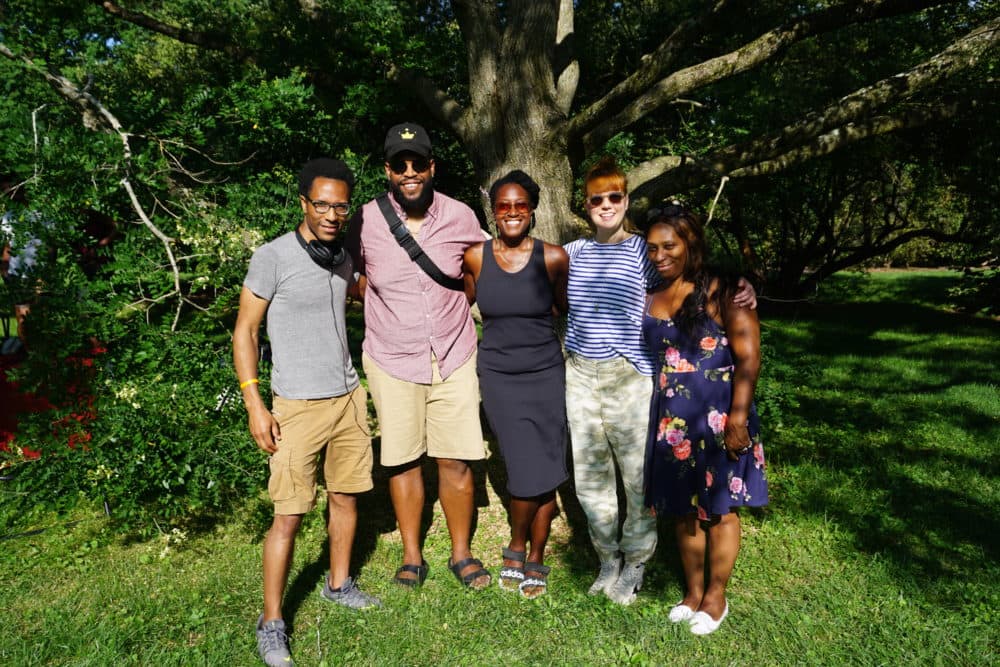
[(376, 517), (871, 448), (897, 286)]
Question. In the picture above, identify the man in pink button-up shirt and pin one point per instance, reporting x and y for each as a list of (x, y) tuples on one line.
[(419, 351)]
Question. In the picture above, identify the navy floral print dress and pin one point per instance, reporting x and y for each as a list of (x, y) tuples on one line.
[(687, 469)]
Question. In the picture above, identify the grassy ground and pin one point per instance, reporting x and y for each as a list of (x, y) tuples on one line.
[(880, 545)]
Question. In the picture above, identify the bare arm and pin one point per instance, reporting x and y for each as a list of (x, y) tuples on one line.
[(743, 330), (472, 264), (557, 266), (356, 290), (263, 427), (352, 244)]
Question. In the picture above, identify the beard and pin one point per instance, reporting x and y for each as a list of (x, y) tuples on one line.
[(418, 205)]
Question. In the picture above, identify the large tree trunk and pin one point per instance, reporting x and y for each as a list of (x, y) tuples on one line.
[(518, 115)]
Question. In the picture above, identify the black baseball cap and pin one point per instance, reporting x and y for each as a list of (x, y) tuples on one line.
[(407, 137)]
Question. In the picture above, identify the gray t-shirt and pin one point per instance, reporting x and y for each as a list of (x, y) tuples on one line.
[(305, 320)]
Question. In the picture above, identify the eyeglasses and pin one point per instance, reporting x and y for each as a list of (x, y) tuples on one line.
[(398, 165), (505, 207), (324, 207), (613, 197), (672, 210)]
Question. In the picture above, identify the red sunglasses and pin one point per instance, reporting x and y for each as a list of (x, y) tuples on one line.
[(504, 207)]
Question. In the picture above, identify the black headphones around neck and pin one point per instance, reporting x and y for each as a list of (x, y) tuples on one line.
[(327, 255)]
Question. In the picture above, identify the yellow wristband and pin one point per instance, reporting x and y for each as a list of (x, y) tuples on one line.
[(244, 385)]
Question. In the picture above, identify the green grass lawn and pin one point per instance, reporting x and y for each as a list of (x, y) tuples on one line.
[(881, 545)]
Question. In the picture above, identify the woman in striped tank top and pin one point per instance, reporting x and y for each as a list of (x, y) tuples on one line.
[(609, 374)]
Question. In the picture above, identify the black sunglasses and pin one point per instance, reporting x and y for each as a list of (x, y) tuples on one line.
[(613, 197), (671, 210), (398, 165)]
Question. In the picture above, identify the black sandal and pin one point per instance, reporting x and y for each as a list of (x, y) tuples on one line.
[(468, 579), (419, 570), (538, 578), (511, 576)]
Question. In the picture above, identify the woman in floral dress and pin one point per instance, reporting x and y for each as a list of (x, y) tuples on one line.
[(704, 457)]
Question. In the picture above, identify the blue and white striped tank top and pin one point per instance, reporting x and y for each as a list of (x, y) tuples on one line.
[(607, 295)]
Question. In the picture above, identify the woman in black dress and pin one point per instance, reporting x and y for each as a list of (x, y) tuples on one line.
[(519, 283)]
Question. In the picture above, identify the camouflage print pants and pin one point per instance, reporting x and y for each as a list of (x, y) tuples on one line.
[(607, 405)]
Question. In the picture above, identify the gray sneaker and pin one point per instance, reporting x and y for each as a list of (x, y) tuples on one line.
[(606, 577), (272, 643), (628, 584), (349, 595)]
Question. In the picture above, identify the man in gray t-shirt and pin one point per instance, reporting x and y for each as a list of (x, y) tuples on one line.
[(300, 281)]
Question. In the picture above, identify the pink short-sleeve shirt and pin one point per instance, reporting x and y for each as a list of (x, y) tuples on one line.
[(408, 316)]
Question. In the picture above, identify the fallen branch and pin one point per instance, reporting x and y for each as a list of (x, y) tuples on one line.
[(95, 115)]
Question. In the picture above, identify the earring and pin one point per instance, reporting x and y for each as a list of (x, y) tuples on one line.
[(531, 225)]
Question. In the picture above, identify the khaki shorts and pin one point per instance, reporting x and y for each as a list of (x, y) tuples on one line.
[(440, 419), (335, 427)]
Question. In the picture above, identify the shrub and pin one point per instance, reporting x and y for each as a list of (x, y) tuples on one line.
[(978, 292)]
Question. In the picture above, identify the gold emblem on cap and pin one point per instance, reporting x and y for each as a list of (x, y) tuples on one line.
[(407, 134)]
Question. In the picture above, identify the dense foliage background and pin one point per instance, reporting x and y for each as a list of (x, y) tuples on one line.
[(220, 103)]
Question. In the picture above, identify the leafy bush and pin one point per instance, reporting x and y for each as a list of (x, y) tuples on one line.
[(775, 395), (978, 292), (145, 417), (159, 438)]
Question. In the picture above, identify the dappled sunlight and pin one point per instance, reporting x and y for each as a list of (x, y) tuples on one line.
[(896, 440)]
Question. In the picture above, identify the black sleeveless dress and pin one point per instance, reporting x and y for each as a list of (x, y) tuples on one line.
[(522, 376)]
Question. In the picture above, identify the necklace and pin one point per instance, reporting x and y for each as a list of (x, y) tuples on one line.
[(519, 254)]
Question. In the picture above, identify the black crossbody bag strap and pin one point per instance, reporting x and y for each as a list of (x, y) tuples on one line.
[(412, 248)]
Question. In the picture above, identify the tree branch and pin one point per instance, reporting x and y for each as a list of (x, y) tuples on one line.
[(858, 254), (91, 108), (652, 67), (683, 173), (766, 47), (820, 133), (849, 134), (568, 73), (441, 105), (961, 54), (166, 241), (657, 168), (205, 40)]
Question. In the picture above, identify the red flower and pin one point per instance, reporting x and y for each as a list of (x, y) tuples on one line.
[(708, 343), (683, 450), (685, 366)]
